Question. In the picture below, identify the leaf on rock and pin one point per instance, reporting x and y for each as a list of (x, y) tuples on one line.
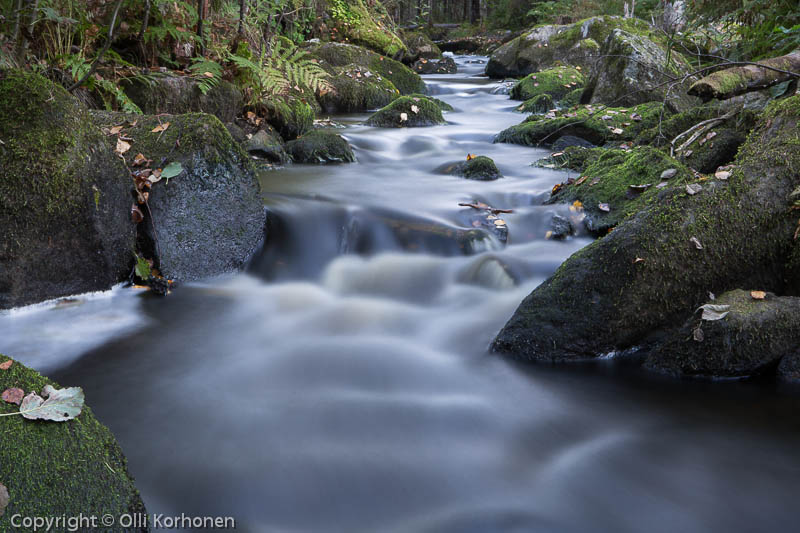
[(136, 214), (696, 242), (142, 268), (115, 130), (4, 499), (13, 395), (61, 404), (403, 117), (172, 170), (6, 365), (722, 174), (697, 334), (160, 128), (758, 295), (713, 312), (604, 207), (122, 147), (693, 188), (617, 131), (414, 109)]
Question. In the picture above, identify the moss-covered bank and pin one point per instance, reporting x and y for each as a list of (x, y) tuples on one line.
[(60, 468)]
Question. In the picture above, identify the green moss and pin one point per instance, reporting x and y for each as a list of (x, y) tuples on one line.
[(358, 25), (60, 468), (406, 80), (358, 89), (320, 146), (444, 106), (575, 158), (407, 111), (538, 104), (555, 82), (608, 177), (660, 134), (479, 168), (595, 124), (572, 98), (290, 117)]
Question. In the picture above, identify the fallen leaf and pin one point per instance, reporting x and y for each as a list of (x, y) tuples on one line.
[(13, 395), (171, 170), (595, 181), (4, 499), (556, 188), (470, 157), (713, 312), (136, 214), (617, 131), (758, 295), (208, 74), (499, 222), (693, 188), (115, 130), (638, 260), (696, 242), (669, 174), (581, 180), (61, 404), (6, 365), (403, 117), (140, 160), (160, 128), (414, 109), (548, 235), (604, 207), (722, 174), (697, 334), (122, 147)]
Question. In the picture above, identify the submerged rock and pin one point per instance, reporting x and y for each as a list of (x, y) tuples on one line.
[(54, 469), (210, 218), (751, 338), (479, 168), (408, 112), (65, 198), (320, 146), (173, 94), (658, 265)]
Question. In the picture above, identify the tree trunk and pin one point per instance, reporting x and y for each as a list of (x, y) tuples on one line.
[(201, 15), (475, 12), (741, 79)]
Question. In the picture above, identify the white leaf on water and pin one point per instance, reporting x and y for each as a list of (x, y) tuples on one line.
[(61, 404), (713, 312)]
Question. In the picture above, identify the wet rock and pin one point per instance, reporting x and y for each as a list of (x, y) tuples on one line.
[(65, 197), (504, 87), (566, 141), (54, 469), (479, 168), (554, 82), (210, 218), (546, 46), (445, 65), (174, 94), (751, 338), (407, 112), (649, 274), (789, 367), (266, 145), (560, 228), (630, 71), (320, 147)]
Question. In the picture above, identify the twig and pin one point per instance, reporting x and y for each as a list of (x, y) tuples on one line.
[(102, 50), (701, 128)]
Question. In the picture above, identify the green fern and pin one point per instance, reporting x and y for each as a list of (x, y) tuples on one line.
[(206, 72)]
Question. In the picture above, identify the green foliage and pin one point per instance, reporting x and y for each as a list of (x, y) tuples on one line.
[(208, 73), (111, 93)]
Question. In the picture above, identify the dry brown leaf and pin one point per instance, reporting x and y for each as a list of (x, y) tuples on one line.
[(13, 395), (758, 295), (160, 128), (136, 214), (122, 147), (115, 130)]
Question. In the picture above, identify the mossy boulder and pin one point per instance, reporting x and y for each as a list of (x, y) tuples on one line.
[(320, 146), (617, 184), (365, 23), (174, 94), (554, 82), (419, 46), (446, 65), (661, 133), (635, 68), (444, 106), (266, 145), (65, 198), (210, 218), (479, 168), (546, 46), (60, 468), (596, 124), (407, 112), (356, 88), (539, 104), (341, 55), (658, 266), (751, 338), (291, 118), (709, 153)]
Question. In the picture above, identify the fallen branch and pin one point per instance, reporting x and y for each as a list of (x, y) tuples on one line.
[(701, 128), (747, 77)]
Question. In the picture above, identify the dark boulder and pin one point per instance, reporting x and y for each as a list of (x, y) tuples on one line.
[(174, 94), (65, 198), (445, 65), (55, 469), (659, 264), (567, 141), (210, 218), (319, 147), (266, 145), (750, 338)]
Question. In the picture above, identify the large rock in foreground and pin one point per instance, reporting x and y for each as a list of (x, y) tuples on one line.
[(751, 337), (210, 218), (54, 469), (546, 46), (64, 196), (659, 264)]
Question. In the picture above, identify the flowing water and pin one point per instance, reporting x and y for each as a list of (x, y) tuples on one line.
[(343, 383)]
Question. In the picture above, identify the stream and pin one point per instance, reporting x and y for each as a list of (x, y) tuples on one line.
[(342, 384)]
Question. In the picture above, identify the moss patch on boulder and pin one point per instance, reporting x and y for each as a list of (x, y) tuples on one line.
[(320, 146), (60, 468), (407, 112), (64, 196), (419, 46), (357, 88), (596, 124), (479, 168), (291, 118), (363, 24), (555, 82)]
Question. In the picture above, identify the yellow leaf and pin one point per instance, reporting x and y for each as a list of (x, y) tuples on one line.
[(160, 128), (758, 295)]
